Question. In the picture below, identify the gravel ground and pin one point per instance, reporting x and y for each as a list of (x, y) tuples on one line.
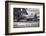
[(26, 24)]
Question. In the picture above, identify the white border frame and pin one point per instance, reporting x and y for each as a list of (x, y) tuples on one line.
[(13, 5)]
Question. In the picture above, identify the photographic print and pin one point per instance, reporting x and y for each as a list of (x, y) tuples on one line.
[(24, 17)]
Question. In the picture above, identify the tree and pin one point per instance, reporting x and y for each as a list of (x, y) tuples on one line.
[(35, 17)]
